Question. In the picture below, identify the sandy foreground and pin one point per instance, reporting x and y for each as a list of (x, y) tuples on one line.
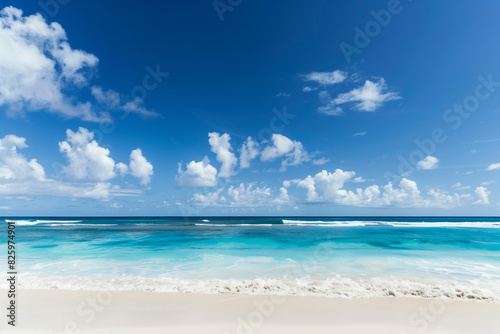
[(63, 311)]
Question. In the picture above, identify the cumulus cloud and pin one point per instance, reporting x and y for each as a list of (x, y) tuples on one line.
[(494, 166), (37, 62), (326, 78), (87, 160), (38, 65), (122, 168), (20, 176), (327, 187), (429, 162), (369, 97), (90, 166), (13, 165), (244, 195), (197, 174), (482, 194), (330, 188), (140, 167), (248, 152), (290, 152), (91, 162), (281, 146), (221, 146)]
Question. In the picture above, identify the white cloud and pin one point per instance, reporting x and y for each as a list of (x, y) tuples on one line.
[(329, 188), (13, 165), (87, 160), (248, 152), (140, 167), (245, 195), (112, 100), (308, 89), (283, 197), (122, 169), (320, 161), (197, 174), (331, 109), (36, 63), (100, 190), (326, 78), (459, 186), (89, 163), (494, 166), (369, 97), (359, 179), (364, 133), (482, 194), (209, 199), (429, 162), (222, 148), (326, 187), (281, 146), (487, 183), (19, 176)]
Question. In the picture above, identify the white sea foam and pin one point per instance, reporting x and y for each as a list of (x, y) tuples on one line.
[(393, 224), (334, 287), (58, 221), (447, 224), (205, 220), (71, 224), (327, 223), (234, 225), (23, 222), (38, 221)]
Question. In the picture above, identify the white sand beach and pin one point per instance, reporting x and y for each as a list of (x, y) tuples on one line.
[(66, 311)]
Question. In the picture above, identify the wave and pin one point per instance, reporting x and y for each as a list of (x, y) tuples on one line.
[(38, 221), (448, 224), (334, 287), (71, 224), (349, 223), (22, 222), (59, 221), (205, 220), (233, 225)]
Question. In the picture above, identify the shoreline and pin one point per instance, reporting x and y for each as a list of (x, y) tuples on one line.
[(335, 287), (67, 311)]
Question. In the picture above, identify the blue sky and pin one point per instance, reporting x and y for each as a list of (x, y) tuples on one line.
[(254, 108)]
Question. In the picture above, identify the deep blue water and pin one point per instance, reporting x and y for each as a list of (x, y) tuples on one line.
[(147, 252)]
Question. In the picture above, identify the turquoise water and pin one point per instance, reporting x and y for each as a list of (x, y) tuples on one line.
[(347, 257)]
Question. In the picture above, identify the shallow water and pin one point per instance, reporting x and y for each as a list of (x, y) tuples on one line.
[(347, 257)]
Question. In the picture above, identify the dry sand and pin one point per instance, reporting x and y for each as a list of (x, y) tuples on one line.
[(62, 311)]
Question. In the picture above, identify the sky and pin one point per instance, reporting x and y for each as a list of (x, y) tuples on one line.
[(281, 108)]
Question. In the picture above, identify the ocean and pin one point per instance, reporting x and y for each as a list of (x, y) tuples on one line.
[(354, 257)]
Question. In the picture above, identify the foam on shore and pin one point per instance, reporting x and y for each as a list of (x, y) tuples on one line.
[(335, 287)]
